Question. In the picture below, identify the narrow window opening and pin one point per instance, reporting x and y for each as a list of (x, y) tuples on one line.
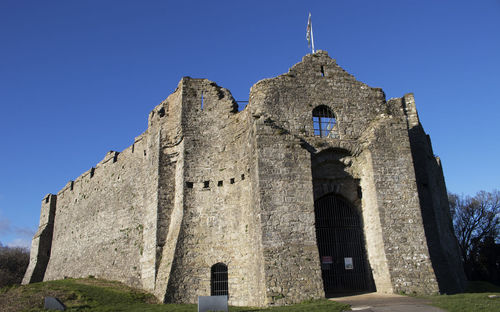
[(242, 177), (231, 181), (220, 183), (115, 158), (189, 185), (133, 147), (201, 100), (218, 280), (322, 71), (324, 122), (206, 184), (46, 199), (144, 152), (92, 171), (72, 185)]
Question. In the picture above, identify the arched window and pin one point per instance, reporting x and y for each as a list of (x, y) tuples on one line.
[(324, 122), (218, 280)]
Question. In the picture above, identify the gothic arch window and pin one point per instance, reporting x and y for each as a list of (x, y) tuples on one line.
[(218, 280), (324, 122)]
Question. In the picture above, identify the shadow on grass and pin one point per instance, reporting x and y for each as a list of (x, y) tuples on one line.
[(481, 287)]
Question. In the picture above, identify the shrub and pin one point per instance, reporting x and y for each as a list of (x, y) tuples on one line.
[(13, 264)]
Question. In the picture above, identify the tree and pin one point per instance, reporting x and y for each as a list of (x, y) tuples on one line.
[(477, 226), (13, 264)]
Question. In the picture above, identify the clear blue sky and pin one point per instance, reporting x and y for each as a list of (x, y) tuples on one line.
[(78, 78)]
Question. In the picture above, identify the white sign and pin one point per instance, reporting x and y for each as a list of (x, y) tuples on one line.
[(348, 263)]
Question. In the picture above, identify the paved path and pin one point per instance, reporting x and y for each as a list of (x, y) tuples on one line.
[(375, 302)]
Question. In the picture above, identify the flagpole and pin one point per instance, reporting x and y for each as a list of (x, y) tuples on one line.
[(312, 39)]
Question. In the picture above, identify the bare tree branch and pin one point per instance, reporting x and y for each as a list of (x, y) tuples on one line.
[(476, 221)]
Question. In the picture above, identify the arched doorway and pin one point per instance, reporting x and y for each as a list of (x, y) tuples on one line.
[(218, 280), (340, 244)]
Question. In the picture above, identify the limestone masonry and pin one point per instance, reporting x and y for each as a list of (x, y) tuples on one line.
[(319, 186)]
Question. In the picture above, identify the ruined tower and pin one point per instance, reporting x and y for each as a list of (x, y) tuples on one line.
[(319, 186)]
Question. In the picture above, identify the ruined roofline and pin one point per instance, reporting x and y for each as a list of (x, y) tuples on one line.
[(326, 61), (319, 54), (115, 155)]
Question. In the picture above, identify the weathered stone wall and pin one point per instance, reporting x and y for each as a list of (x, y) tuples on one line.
[(391, 213), (286, 206), (98, 225), (285, 142), (373, 225), (443, 247), (42, 242), (163, 217), (398, 206), (217, 216), (207, 184)]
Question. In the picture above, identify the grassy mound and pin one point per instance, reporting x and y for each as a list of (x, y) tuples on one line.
[(90, 294)]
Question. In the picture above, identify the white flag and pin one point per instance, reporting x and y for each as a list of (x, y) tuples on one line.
[(309, 29)]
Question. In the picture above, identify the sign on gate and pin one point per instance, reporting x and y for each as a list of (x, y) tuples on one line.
[(348, 263), (327, 259)]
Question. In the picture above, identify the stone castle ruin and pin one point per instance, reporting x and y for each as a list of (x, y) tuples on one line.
[(319, 186)]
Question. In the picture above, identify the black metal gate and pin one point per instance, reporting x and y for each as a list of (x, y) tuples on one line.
[(340, 245), (218, 280)]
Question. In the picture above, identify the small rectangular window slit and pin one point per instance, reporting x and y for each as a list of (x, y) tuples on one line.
[(242, 177), (322, 71), (206, 184), (201, 100), (220, 183), (189, 185), (231, 181)]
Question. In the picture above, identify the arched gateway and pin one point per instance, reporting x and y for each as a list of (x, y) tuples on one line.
[(340, 245)]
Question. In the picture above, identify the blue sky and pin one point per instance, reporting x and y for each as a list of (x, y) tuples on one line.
[(78, 78)]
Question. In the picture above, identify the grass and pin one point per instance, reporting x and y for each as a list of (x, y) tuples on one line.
[(91, 294), (474, 299)]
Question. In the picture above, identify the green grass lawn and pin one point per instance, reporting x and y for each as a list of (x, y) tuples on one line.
[(100, 295), (90, 294), (474, 299)]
